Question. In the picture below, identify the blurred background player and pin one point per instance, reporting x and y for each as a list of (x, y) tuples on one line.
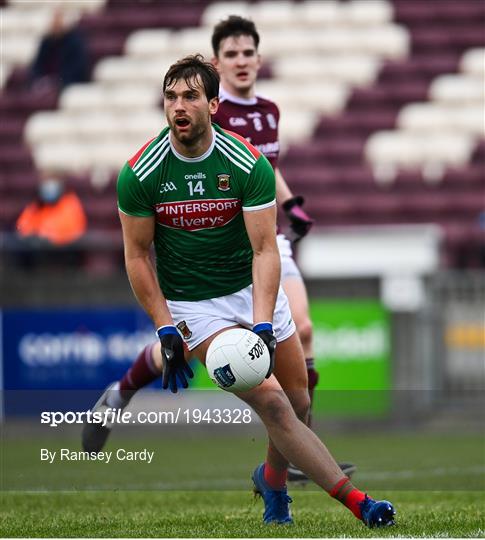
[(235, 42)]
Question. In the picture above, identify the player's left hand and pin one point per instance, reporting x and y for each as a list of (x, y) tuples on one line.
[(173, 358), (300, 221), (265, 331)]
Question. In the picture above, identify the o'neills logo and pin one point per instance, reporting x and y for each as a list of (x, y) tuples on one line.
[(197, 215), (223, 182)]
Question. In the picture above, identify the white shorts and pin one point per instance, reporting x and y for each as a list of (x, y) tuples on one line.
[(288, 265), (199, 320)]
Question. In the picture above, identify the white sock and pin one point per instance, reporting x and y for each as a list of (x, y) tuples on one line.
[(114, 398)]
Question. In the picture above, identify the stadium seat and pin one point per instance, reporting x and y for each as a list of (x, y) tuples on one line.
[(373, 12), (125, 70), (401, 149), (473, 62), (278, 14), (319, 14), (152, 42), (25, 18), (78, 5), (108, 97), (389, 41), (220, 10), (458, 89), (432, 117), (295, 124), (47, 126), (332, 95), (351, 69), (190, 41), (19, 49)]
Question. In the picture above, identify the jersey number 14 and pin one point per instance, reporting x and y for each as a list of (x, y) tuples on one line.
[(198, 188)]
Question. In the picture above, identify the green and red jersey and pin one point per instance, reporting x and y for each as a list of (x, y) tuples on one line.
[(202, 248)]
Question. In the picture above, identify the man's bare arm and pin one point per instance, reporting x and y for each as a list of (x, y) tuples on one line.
[(283, 191), (261, 229), (138, 235)]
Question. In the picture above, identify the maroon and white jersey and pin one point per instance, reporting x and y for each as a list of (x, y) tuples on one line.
[(256, 119)]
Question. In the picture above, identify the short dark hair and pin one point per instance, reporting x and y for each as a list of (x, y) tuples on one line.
[(235, 26), (191, 67)]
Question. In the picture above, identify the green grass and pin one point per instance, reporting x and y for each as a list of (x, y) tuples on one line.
[(394, 461), (198, 486), (229, 514)]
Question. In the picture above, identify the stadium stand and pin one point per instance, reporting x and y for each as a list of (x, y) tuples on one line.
[(382, 106), (427, 170)]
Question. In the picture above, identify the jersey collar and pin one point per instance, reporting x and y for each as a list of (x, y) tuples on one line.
[(205, 155), (224, 95)]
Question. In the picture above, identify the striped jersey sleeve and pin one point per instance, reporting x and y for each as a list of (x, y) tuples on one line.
[(132, 197)]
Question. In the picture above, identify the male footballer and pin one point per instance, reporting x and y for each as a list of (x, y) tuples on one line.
[(218, 267)]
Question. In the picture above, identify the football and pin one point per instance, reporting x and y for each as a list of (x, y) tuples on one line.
[(237, 360)]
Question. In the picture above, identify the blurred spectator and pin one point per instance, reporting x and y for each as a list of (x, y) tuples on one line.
[(62, 57), (55, 218)]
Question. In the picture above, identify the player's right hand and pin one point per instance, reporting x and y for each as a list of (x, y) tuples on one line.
[(265, 331), (174, 364)]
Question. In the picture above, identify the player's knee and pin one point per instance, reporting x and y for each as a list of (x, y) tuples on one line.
[(276, 410), (305, 331)]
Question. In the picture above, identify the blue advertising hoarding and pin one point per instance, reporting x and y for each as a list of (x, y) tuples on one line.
[(67, 355), (70, 349)]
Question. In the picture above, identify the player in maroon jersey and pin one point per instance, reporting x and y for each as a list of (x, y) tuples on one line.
[(235, 43)]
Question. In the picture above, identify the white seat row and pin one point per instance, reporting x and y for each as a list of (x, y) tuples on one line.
[(327, 96), (288, 14), (296, 125), (440, 132), (473, 62), (353, 69), (458, 89), (433, 117), (73, 157), (387, 41), (19, 49), (151, 42), (405, 149), (33, 21), (101, 97), (21, 32), (67, 5), (128, 70), (84, 126)]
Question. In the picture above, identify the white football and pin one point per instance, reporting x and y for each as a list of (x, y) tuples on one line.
[(237, 360)]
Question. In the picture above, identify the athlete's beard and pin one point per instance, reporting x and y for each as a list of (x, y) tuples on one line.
[(191, 138)]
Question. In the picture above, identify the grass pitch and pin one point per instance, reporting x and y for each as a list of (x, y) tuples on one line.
[(230, 514), (199, 486)]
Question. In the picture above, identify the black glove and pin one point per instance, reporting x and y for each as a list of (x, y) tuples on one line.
[(300, 222), (174, 364), (265, 331)]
